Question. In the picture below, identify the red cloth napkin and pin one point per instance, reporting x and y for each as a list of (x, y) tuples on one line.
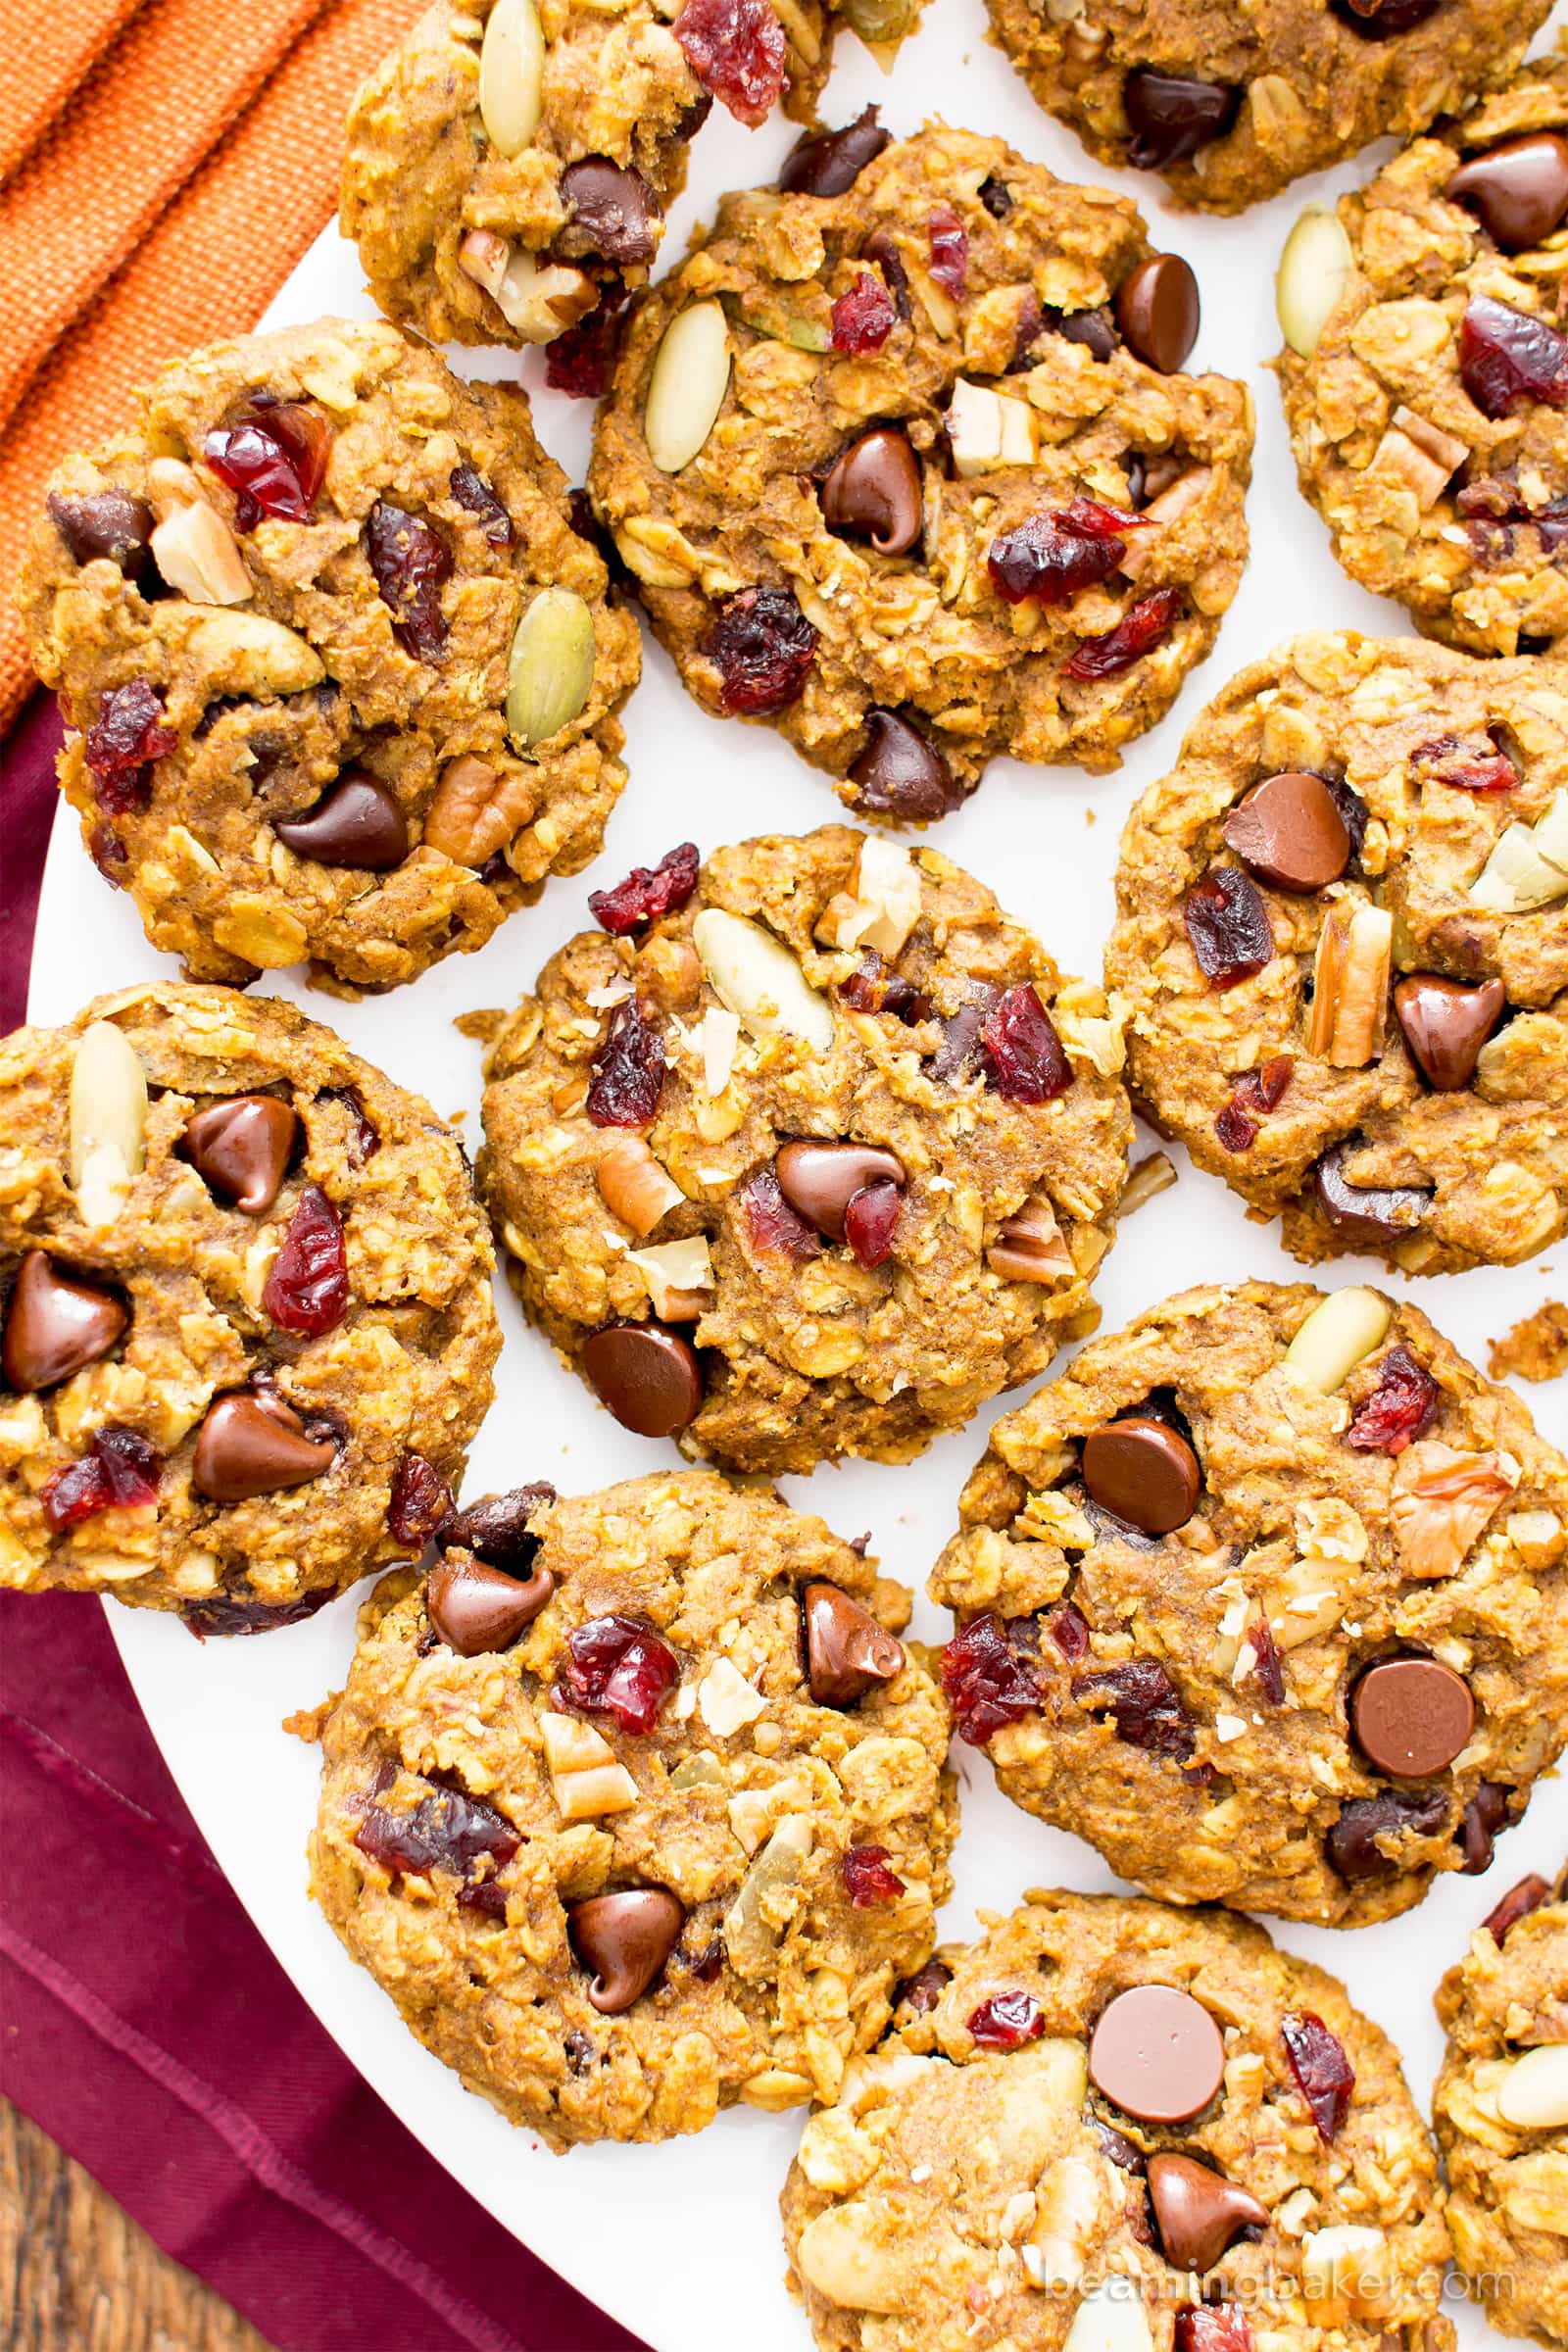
[(143, 2023)]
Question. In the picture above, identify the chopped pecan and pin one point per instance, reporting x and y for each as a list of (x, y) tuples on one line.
[(1443, 1499)]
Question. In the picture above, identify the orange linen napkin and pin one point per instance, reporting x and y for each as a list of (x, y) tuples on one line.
[(163, 164)]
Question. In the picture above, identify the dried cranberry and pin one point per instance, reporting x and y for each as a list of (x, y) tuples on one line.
[(1400, 1410), (1020, 1051), (1145, 1703), (579, 2049), (1383, 20), (1466, 767), (986, 1683), (629, 1072), (471, 489), (118, 1472), (864, 316), (126, 737), (874, 987), (922, 1991), (1254, 1094), (707, 1965), (617, 1666), (1270, 1665), (1516, 1904), (274, 461), (1007, 2020), (960, 1050), (761, 645), (1051, 555), (448, 1830), (308, 1289), (363, 1140), (871, 1219), (420, 1499), (231, 1619), (411, 561), (1234, 1130), (1027, 331), (775, 1227), (647, 892), (736, 49), (1214, 2327), (868, 1880), (581, 360), (1324, 2075), (1228, 925), (1506, 356), (1150, 619), (1353, 1843), (495, 1528), (881, 250), (108, 855), (1069, 1628), (996, 196), (948, 241), (1123, 2152)]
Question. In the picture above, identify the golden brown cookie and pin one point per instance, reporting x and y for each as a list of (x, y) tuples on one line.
[(1266, 1597), (1341, 939), (1109, 2126), (339, 674), (807, 1153), (1425, 370), (647, 1818), (909, 468), (1501, 2112), (248, 1331)]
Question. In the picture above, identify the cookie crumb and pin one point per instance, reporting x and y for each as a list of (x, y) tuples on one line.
[(1535, 1349)]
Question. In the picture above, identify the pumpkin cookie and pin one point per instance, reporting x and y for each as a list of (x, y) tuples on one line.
[(339, 674), (636, 1805), (1230, 104), (247, 1330), (1501, 2112), (905, 463), (1343, 939), (808, 1152), (1266, 1597), (1107, 2127), (1425, 370)]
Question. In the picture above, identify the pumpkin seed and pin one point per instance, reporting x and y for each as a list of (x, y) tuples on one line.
[(1313, 270), (512, 72), (552, 666), (1335, 1338), (686, 386), (107, 1121)]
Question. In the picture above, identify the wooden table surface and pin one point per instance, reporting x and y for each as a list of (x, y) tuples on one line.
[(78, 2276)]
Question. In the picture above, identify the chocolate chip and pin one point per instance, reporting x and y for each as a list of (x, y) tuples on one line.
[(848, 1651), (922, 1991), (824, 163), (356, 822), (819, 1180), (1445, 1024), (495, 1527), (1483, 1816), (1411, 1716), (1156, 2055), (623, 1942), (1353, 1843), (1383, 20), (1518, 190), (254, 1444), (647, 1377), (1199, 2214), (1158, 310), (1173, 114), (1143, 1471), (55, 1324), (1096, 329), (996, 196), (475, 1608), (241, 1148), (1374, 1213), (1289, 831), (105, 523), (874, 492), (612, 210), (900, 772)]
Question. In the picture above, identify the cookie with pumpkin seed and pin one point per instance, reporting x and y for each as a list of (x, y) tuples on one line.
[(904, 461), (341, 677), (1267, 1597), (636, 1805), (806, 1152)]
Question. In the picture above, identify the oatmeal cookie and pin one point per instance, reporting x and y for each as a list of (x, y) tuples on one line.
[(1231, 103), (907, 465), (1267, 1598), (1107, 2127), (808, 1153), (1341, 939), (247, 1331), (1425, 370), (1501, 2112), (339, 674), (636, 1806)]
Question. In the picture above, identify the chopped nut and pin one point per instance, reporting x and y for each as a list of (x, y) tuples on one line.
[(1529, 863), (988, 429), (1110, 2319), (755, 1921), (1067, 2220), (678, 1275), (1532, 2093), (584, 1796), (1350, 986), (1029, 1247), (759, 980), (1442, 1501), (538, 303), (199, 557), (1417, 456), (1185, 493), (1348, 2273), (572, 1746), (884, 905), (726, 1700), (477, 809), (1537, 2192), (634, 1187), (670, 972), (1152, 1175), (841, 2254)]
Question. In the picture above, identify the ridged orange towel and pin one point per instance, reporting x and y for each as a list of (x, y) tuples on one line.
[(163, 164)]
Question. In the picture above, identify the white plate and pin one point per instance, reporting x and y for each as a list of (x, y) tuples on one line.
[(1046, 839)]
